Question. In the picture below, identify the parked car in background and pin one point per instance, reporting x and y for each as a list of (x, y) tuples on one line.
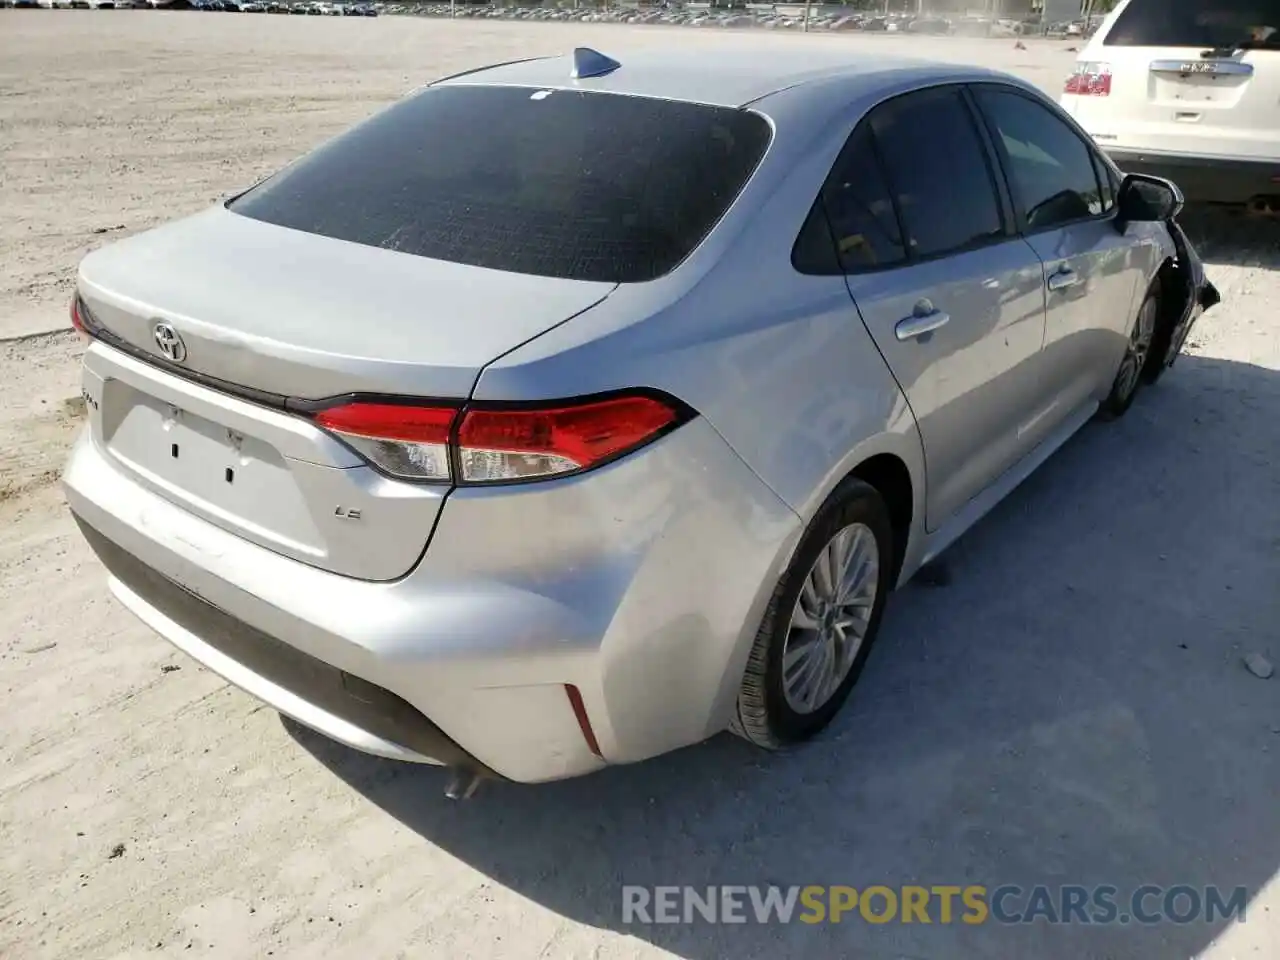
[(525, 462), (931, 25), (1188, 92)]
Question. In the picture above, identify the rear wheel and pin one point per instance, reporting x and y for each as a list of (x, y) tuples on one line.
[(820, 623), (1129, 376)]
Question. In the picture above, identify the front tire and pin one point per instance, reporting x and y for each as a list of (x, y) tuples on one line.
[(1129, 376), (820, 623)]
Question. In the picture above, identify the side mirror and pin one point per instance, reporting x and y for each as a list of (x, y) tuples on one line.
[(1146, 199)]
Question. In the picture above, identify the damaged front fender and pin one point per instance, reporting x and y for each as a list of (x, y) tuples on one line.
[(1186, 294)]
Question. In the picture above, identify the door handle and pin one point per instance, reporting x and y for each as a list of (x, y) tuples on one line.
[(925, 319), (1062, 279)]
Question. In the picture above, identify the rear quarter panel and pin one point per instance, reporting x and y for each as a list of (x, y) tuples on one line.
[(778, 363)]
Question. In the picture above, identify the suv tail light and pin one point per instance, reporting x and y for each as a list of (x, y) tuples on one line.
[(1090, 80), (501, 443)]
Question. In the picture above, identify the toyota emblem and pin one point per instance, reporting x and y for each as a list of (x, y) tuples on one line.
[(169, 342)]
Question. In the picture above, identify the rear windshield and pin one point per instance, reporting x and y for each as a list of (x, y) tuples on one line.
[(585, 186), (1207, 24)]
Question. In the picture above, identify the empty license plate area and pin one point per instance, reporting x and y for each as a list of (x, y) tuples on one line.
[(257, 472), (1192, 89), (236, 480)]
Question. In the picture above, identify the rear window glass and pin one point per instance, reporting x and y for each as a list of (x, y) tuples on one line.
[(1207, 24), (585, 186)]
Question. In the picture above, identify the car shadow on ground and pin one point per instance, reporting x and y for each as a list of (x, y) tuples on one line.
[(1070, 709)]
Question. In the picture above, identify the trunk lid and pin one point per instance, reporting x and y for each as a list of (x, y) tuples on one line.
[(272, 313), (301, 315)]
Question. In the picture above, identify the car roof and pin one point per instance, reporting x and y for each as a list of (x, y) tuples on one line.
[(731, 77)]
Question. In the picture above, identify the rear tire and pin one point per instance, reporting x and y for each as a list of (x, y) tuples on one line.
[(822, 639)]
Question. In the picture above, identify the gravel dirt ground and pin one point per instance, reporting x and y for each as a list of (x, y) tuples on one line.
[(1071, 708)]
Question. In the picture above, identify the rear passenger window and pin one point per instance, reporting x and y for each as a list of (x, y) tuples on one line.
[(938, 172), (1050, 167), (860, 210), (814, 253)]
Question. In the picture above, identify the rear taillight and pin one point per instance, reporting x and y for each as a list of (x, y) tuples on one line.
[(402, 439), (1090, 80), (78, 320), (518, 444), (499, 443)]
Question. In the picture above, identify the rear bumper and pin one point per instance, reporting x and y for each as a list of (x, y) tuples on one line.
[(640, 584), (1204, 179), (311, 691)]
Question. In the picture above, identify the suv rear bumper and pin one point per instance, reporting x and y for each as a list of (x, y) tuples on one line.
[(1204, 179)]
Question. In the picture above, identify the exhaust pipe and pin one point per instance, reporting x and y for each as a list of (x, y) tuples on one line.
[(462, 783)]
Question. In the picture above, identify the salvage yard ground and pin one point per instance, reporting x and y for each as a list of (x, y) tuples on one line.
[(1070, 709)]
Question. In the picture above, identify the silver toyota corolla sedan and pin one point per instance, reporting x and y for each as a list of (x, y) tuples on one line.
[(572, 410)]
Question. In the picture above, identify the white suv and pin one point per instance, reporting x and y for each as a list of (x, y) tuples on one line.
[(1189, 91)]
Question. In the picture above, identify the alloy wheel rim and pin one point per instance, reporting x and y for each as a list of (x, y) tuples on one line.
[(1135, 357), (830, 619)]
